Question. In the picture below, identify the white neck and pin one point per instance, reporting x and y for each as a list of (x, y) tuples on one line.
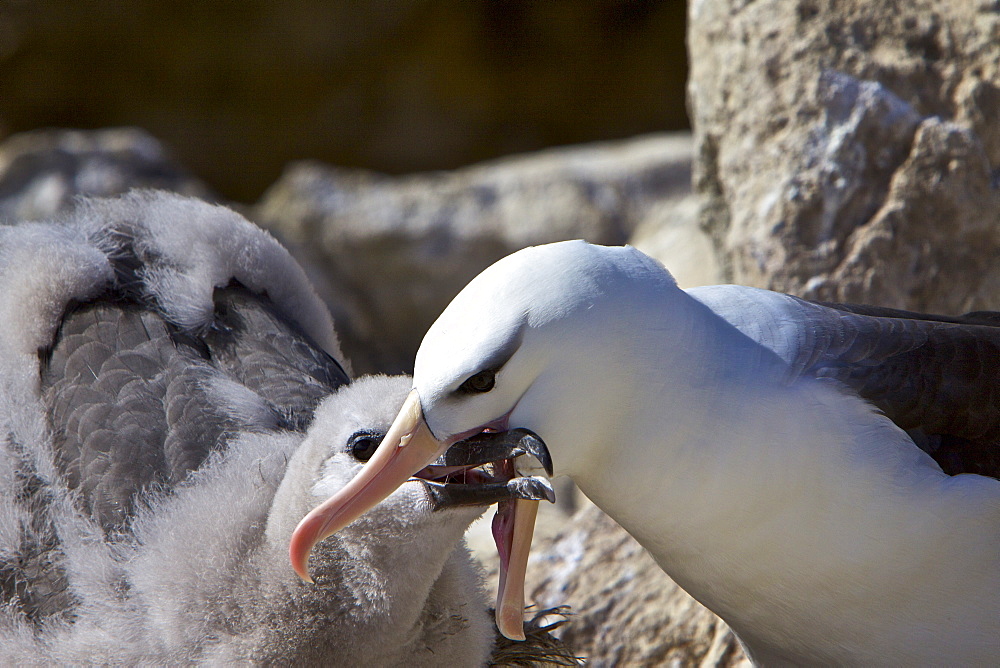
[(766, 502)]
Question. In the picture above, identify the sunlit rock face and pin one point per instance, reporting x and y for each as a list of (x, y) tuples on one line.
[(848, 153)]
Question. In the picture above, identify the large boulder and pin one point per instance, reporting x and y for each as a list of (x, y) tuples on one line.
[(847, 151), (402, 247)]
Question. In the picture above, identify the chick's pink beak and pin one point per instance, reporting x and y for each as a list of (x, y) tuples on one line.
[(408, 446)]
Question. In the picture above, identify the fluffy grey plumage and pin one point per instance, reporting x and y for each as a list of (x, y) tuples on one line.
[(160, 360)]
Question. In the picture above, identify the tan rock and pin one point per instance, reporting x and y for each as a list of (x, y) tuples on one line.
[(670, 233), (400, 248), (847, 151)]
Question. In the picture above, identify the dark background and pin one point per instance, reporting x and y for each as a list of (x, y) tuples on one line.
[(237, 89)]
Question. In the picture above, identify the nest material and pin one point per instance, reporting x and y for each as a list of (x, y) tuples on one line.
[(539, 647)]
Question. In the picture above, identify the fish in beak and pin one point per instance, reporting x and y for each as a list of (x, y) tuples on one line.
[(453, 477)]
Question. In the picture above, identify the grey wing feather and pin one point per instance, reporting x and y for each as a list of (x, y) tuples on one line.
[(105, 387), (252, 342), (938, 377), (135, 404)]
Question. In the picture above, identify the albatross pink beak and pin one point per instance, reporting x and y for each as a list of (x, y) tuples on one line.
[(408, 446)]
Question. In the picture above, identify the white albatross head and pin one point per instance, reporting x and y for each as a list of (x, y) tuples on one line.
[(538, 344), (529, 341)]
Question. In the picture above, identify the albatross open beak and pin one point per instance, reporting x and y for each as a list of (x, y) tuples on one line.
[(408, 446)]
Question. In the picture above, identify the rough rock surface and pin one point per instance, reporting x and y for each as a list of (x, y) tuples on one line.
[(404, 246), (625, 610), (42, 171), (851, 152)]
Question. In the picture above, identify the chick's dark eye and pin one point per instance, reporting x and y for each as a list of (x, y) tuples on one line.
[(480, 382), (363, 444)]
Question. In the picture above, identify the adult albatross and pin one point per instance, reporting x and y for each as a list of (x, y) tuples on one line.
[(763, 448)]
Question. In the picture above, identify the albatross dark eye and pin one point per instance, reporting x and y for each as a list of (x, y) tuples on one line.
[(480, 382), (363, 444)]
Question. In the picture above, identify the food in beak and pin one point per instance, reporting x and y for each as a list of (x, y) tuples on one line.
[(453, 476), (446, 494), (458, 478)]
